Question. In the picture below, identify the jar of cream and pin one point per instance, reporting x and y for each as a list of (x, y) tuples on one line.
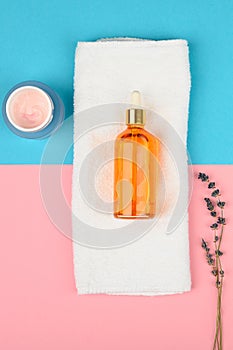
[(33, 110)]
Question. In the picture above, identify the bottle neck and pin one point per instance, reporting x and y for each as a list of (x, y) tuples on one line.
[(135, 126)]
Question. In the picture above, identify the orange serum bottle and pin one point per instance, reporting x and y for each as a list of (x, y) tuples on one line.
[(135, 166)]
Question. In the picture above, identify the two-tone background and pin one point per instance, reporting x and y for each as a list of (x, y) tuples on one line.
[(39, 306)]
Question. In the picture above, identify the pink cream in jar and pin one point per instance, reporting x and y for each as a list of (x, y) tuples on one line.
[(29, 109)]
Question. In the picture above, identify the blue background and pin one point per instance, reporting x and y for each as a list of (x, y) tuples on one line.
[(38, 40)]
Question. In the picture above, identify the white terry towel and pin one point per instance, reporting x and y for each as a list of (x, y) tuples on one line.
[(133, 257)]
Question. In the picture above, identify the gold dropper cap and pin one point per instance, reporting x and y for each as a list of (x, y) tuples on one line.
[(135, 115)]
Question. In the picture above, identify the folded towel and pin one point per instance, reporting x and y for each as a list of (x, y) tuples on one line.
[(133, 257)]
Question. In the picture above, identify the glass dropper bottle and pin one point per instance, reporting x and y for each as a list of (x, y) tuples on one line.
[(135, 166)]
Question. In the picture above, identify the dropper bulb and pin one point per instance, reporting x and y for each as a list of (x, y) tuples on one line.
[(136, 98)]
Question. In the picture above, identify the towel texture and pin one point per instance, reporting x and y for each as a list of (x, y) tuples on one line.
[(112, 256)]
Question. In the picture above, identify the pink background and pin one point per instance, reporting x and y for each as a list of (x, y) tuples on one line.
[(39, 305)]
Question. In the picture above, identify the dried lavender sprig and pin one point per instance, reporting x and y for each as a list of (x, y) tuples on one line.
[(217, 270)]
